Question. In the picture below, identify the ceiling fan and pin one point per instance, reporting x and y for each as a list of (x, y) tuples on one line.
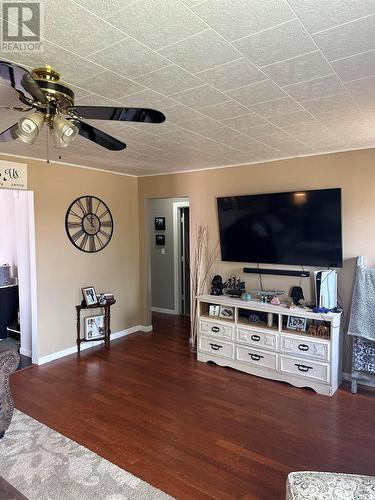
[(52, 103)]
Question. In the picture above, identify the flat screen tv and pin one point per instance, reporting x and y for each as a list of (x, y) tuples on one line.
[(296, 228)]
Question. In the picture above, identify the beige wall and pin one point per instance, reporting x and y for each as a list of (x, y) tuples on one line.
[(62, 269), (353, 171)]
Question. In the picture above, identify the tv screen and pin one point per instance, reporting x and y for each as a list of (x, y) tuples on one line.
[(296, 228)]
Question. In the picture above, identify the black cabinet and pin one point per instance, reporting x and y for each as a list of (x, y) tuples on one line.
[(8, 307)]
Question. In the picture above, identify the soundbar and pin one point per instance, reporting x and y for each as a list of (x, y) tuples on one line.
[(280, 272)]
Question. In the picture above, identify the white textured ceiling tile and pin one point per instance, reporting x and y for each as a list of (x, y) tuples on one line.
[(129, 58), (180, 114), (276, 107), (95, 100), (330, 103), (244, 122), (224, 110), (257, 92), (318, 15), (104, 8), (281, 140), (64, 27), (261, 131), (297, 117), (109, 84), (336, 119), (232, 75), (313, 89), (147, 99), (199, 125), (238, 18), (226, 135), (315, 135), (169, 80), (72, 68), (158, 23), (201, 52), (354, 67), (363, 88), (276, 44), (298, 69), (348, 39), (257, 148), (200, 96)]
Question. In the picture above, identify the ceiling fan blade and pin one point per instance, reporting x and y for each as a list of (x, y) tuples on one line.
[(22, 81), (102, 138), (120, 114), (10, 134)]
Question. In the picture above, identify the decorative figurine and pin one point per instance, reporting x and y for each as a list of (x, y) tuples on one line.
[(235, 287), (297, 295), (217, 285), (313, 330), (275, 301)]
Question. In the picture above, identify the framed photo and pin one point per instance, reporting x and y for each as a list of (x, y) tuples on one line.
[(94, 327), (214, 310), (159, 223), (160, 239), (226, 312), (296, 323), (89, 295)]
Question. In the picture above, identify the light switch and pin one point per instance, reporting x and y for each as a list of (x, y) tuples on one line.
[(162, 251)]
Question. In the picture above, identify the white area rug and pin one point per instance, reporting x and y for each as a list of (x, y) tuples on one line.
[(44, 465)]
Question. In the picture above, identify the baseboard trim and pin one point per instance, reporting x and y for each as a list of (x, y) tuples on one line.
[(87, 345), (164, 311), (25, 352)]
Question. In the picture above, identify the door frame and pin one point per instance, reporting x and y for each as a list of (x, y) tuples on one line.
[(176, 252)]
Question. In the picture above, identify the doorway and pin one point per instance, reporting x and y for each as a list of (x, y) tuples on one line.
[(18, 274), (169, 236)]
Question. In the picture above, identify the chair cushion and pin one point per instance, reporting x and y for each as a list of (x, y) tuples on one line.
[(329, 486)]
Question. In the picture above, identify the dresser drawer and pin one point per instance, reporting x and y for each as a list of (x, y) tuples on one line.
[(256, 357), (303, 347), (216, 329), (305, 368), (256, 338), (216, 347)]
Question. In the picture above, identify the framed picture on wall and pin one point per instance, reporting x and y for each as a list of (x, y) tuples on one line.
[(159, 223), (160, 239)]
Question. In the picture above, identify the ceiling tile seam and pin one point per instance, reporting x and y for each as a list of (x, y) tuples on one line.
[(362, 78), (352, 55), (111, 46), (309, 80), (343, 24), (328, 62), (316, 99), (264, 30), (186, 90), (153, 71), (217, 104), (290, 59), (318, 49), (182, 40), (117, 11), (197, 73)]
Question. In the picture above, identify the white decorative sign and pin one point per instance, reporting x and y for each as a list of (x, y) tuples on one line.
[(13, 175)]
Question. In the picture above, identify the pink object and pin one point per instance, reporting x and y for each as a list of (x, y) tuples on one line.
[(275, 301)]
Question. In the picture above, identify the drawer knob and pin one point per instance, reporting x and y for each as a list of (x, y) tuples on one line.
[(303, 347), (215, 329), (216, 347), (255, 338), (303, 368), (255, 357)]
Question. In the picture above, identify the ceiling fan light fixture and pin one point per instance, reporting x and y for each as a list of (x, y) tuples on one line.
[(63, 132), (29, 127)]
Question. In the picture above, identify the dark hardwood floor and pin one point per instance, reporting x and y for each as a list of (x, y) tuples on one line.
[(196, 430)]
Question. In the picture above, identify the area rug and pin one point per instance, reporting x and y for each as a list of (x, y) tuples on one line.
[(44, 465)]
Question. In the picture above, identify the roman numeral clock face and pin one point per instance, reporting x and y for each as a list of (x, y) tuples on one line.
[(89, 224)]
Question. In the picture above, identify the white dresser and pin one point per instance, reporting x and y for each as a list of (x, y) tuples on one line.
[(258, 340)]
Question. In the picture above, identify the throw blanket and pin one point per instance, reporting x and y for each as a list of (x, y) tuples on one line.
[(362, 317)]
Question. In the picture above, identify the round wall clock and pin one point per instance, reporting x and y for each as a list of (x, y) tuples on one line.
[(89, 224)]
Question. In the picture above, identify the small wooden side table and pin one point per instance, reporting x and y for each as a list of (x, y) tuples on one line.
[(107, 323)]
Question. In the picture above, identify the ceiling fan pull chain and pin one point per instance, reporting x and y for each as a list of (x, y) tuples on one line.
[(47, 148)]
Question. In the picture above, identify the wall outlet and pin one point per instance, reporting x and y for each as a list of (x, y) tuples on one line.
[(162, 251)]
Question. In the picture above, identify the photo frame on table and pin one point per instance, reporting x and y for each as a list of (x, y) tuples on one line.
[(296, 323), (160, 239), (89, 295), (213, 310), (226, 312), (159, 223), (94, 327)]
